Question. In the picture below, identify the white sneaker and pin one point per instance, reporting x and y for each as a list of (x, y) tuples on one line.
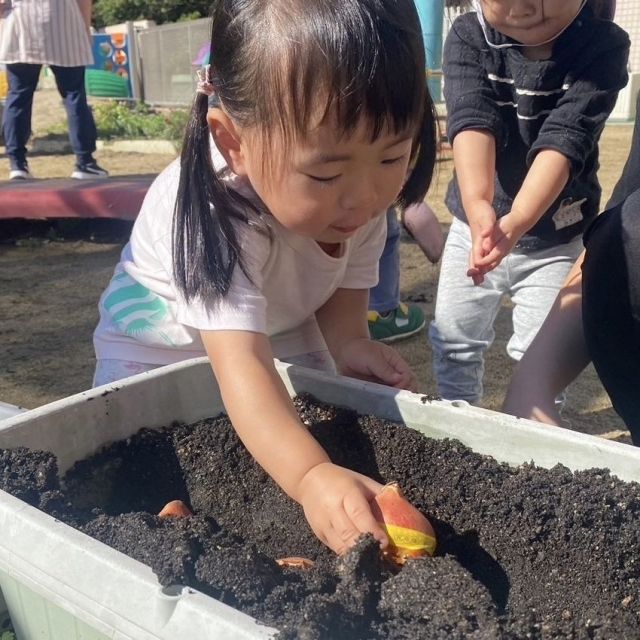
[(89, 171), (22, 173)]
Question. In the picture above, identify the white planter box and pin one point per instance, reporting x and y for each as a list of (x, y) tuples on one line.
[(63, 585)]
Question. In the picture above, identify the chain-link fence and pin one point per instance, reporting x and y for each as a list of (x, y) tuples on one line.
[(628, 17), (169, 56)]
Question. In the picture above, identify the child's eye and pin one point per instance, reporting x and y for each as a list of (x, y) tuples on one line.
[(393, 160), (323, 179)]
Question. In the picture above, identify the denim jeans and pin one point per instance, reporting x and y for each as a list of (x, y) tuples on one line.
[(385, 296), (23, 79)]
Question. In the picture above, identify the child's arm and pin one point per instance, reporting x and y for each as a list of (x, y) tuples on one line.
[(86, 9), (335, 499), (555, 358), (544, 182), (474, 158), (343, 322)]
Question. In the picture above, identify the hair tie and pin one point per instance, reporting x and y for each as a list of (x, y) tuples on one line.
[(204, 84)]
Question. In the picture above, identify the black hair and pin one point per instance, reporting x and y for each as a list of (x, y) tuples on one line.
[(274, 63)]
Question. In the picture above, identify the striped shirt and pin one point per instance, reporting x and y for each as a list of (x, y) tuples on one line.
[(560, 103), (45, 32)]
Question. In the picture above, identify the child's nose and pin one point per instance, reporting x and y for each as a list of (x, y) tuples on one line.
[(361, 197), (523, 8)]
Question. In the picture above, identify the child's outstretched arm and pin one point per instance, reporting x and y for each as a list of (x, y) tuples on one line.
[(335, 500), (343, 322), (474, 158), (555, 358), (545, 180)]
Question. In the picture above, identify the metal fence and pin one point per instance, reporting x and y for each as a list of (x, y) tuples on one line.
[(628, 17), (169, 56)]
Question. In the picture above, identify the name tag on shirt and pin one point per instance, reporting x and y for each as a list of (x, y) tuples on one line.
[(568, 213)]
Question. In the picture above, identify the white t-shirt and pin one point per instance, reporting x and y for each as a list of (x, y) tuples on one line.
[(144, 318)]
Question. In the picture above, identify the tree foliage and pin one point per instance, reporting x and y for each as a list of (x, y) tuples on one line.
[(116, 11)]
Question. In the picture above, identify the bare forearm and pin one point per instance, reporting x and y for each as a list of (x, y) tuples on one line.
[(474, 156), (261, 411), (544, 182), (86, 7), (344, 317)]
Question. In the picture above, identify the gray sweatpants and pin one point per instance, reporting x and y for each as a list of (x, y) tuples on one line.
[(462, 329)]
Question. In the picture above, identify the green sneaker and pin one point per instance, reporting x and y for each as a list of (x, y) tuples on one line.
[(402, 322)]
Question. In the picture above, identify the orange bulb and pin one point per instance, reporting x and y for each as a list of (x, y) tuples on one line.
[(175, 509), (410, 533)]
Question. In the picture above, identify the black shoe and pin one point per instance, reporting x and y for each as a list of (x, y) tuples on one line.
[(89, 170)]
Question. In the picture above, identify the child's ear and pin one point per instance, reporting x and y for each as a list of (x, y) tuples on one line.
[(227, 139)]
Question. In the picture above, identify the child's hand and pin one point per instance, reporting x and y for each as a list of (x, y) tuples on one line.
[(482, 219), (336, 504), (498, 242), (533, 402), (375, 362)]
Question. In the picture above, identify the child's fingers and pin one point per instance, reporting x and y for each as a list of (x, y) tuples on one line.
[(487, 245), (407, 381), (476, 254), (494, 257), (383, 370), (342, 533), (486, 232), (358, 512)]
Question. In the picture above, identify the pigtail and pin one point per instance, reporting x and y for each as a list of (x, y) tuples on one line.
[(205, 244), (416, 187)]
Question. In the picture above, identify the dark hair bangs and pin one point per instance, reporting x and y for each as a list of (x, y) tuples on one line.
[(370, 65)]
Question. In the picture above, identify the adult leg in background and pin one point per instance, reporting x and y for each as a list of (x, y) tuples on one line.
[(22, 79), (385, 296), (82, 126)]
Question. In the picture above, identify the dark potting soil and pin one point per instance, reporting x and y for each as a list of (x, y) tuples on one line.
[(522, 553)]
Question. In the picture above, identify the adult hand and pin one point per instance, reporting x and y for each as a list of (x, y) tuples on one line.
[(376, 362), (336, 504)]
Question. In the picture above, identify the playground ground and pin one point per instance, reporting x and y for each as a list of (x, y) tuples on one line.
[(51, 279)]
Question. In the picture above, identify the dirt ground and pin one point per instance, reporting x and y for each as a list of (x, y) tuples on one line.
[(50, 282)]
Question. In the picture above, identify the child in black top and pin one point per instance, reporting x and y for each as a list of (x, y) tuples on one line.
[(528, 86)]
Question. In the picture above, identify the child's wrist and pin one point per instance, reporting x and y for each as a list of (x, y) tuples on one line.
[(344, 350), (308, 480), (519, 220)]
